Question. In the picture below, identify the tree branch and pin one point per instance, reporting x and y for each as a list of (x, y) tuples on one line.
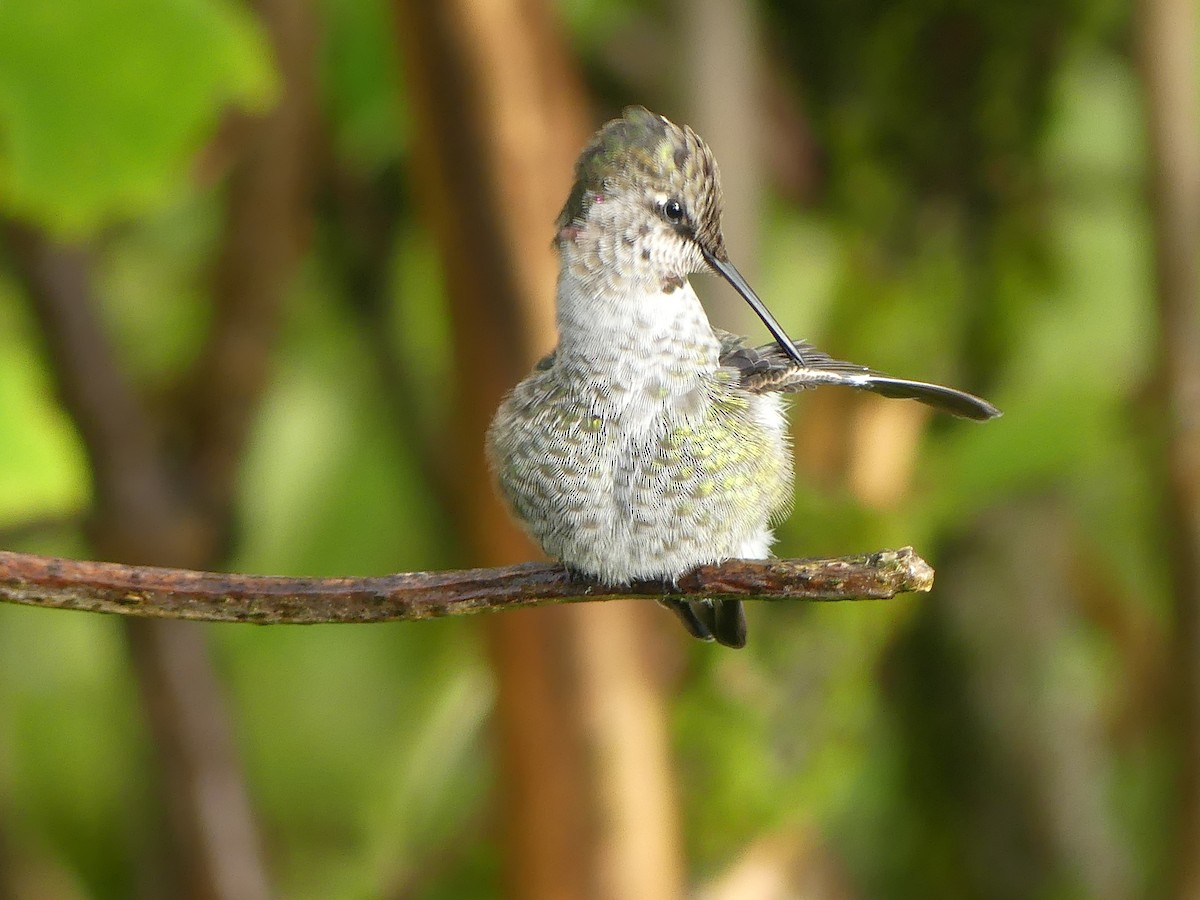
[(1168, 62), (134, 495), (267, 223), (152, 592)]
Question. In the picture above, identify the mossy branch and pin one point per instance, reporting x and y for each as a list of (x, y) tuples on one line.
[(269, 600)]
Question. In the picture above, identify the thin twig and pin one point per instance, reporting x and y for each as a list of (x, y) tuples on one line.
[(271, 600)]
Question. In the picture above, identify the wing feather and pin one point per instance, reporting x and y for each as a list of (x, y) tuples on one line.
[(767, 369)]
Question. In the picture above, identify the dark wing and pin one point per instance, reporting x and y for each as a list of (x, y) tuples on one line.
[(768, 369)]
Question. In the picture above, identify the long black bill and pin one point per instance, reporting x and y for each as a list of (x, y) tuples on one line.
[(729, 272)]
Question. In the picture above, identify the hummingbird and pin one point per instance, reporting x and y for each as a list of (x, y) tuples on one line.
[(648, 442)]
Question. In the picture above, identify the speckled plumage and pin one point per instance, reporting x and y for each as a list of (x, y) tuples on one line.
[(643, 464), (648, 443), (632, 452)]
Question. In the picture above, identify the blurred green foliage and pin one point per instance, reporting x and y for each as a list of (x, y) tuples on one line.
[(979, 220), (105, 102)]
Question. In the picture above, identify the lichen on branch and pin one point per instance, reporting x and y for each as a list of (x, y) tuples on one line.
[(267, 600)]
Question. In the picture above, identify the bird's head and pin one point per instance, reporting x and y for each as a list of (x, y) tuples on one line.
[(646, 207)]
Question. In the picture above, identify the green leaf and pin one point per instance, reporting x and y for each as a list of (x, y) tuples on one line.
[(103, 102)]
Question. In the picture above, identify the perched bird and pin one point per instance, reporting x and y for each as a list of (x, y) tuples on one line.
[(648, 443)]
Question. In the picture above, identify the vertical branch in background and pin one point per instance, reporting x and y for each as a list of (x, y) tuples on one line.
[(267, 223), (143, 513), (122, 448), (588, 797), (488, 212), (1168, 61), (267, 218), (364, 216), (1037, 791), (723, 94), (725, 97), (138, 517)]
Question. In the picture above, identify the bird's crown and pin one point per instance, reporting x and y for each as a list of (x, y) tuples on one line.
[(647, 150)]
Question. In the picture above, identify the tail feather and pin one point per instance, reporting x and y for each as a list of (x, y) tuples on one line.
[(768, 369), (947, 399)]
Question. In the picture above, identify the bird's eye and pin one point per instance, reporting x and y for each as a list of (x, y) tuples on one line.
[(673, 211)]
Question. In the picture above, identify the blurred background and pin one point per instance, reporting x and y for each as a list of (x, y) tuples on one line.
[(266, 269)]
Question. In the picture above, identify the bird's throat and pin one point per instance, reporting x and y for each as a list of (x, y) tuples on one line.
[(634, 348)]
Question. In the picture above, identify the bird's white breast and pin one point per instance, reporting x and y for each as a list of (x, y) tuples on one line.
[(635, 455)]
